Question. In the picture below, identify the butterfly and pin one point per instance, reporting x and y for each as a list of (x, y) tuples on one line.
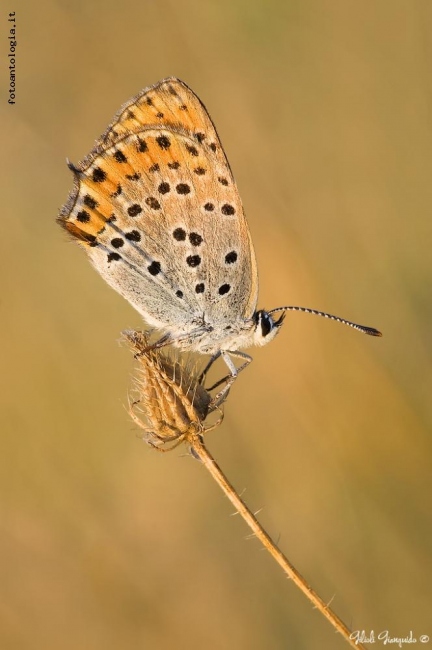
[(156, 207)]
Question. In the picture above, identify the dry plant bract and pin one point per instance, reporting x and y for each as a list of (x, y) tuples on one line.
[(168, 401)]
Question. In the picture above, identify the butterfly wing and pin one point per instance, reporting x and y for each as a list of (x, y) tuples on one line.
[(156, 206)]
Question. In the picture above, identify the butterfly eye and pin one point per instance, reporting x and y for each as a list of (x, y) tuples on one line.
[(264, 321), (266, 324)]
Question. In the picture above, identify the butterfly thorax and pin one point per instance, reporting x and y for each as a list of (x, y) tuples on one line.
[(211, 338)]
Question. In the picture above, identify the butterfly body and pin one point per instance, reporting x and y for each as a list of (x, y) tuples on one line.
[(157, 209)]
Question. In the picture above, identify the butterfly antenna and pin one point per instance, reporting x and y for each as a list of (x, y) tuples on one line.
[(361, 328)]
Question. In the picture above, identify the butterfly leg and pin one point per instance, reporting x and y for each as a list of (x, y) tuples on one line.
[(231, 367), (208, 366), (218, 399), (222, 395)]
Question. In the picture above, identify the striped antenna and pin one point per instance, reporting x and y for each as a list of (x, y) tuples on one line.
[(361, 328)]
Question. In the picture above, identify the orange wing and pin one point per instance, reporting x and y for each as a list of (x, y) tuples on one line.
[(169, 103)]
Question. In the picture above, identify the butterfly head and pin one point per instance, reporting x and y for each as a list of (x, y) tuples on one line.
[(266, 327)]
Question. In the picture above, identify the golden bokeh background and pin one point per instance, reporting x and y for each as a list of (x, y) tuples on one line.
[(325, 110)]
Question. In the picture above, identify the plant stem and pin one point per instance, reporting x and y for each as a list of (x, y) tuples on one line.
[(199, 449)]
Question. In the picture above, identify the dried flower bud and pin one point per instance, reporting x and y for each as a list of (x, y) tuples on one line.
[(168, 393)]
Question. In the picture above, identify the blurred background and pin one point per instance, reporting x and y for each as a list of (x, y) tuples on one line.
[(324, 108)]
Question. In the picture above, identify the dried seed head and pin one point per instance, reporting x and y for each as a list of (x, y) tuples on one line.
[(168, 394)]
